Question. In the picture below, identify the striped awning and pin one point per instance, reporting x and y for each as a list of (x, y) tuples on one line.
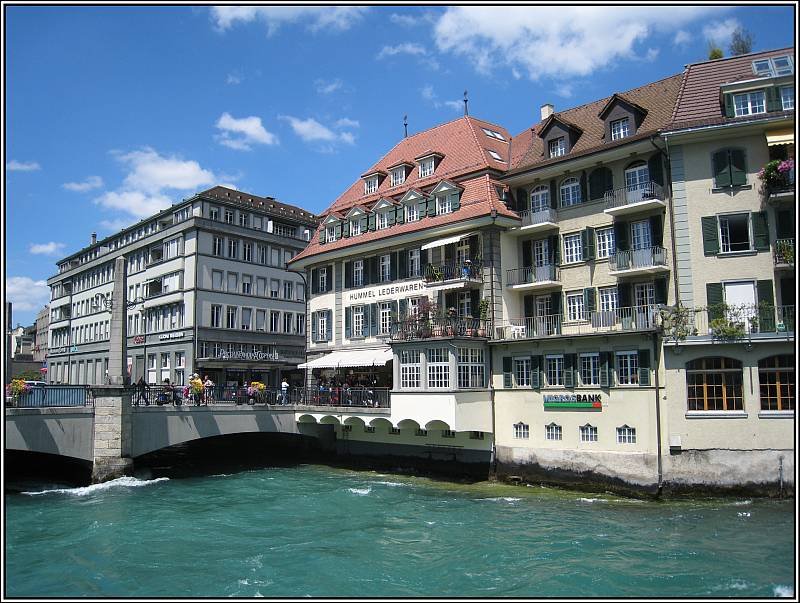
[(785, 136), (349, 358)]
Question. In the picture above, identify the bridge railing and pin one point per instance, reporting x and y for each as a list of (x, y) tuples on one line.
[(47, 396), (360, 396)]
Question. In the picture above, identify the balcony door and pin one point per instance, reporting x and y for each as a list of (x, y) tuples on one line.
[(740, 300), (637, 181), (541, 261), (545, 320), (540, 199), (641, 244)]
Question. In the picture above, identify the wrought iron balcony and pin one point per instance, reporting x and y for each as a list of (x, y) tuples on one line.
[(731, 322), (644, 261), (439, 326), (541, 219), (533, 277), (634, 198), (620, 320), (469, 271)]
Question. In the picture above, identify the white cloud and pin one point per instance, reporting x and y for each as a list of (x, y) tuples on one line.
[(26, 294), (651, 54), (429, 94), (150, 175), (242, 133), (721, 31), (310, 130), (346, 122), (682, 37), (51, 248), (564, 90), (325, 87), (555, 41), (92, 182), (454, 105), (408, 20), (411, 48), (234, 79), (326, 18), (22, 166)]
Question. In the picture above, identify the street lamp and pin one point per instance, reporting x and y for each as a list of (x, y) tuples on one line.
[(106, 303)]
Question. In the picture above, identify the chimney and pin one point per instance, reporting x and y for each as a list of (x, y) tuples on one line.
[(547, 111), (94, 238)]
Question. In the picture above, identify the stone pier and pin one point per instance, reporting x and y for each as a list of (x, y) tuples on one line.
[(112, 433)]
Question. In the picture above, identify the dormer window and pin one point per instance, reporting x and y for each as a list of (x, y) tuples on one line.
[(787, 97), (412, 213), (370, 185), (782, 65), (355, 227), (383, 220), (774, 66), (749, 103), (426, 167), (620, 129), (558, 147), (444, 204), (398, 175), (495, 155), (330, 234)]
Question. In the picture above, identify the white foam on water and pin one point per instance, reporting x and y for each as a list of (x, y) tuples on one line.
[(741, 503), (783, 591), (503, 498), (120, 482), (360, 491), (735, 584), (430, 523), (391, 484), (745, 514), (592, 500)]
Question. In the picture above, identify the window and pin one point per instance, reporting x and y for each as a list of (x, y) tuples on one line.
[(370, 185), (247, 252), (385, 318), (180, 364), (426, 167), (172, 248), (540, 199), (330, 234), (261, 320), (275, 257), (383, 220), (233, 248), (626, 435), (247, 315), (288, 292), (218, 246), (288, 321), (410, 368), (398, 176), (216, 280), (300, 323), (247, 284), (575, 308), (216, 316), (558, 147), (244, 219), (734, 232), (228, 216), (627, 368), (323, 279), (554, 368), (470, 368), (444, 204), (605, 242), (233, 282), (644, 294), (232, 311), (274, 321), (588, 433), (521, 431), (787, 97), (358, 273), (438, 368), (213, 213), (414, 267), (749, 103), (448, 433), (322, 326), (714, 383), (619, 129), (151, 368), (355, 227), (552, 432), (522, 372), (495, 155), (369, 429), (573, 249), (358, 321), (776, 382), (465, 304), (590, 368), (493, 134), (640, 235), (775, 66), (412, 212), (570, 192), (386, 268), (608, 299)]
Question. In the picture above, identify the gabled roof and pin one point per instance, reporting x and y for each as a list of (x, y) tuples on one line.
[(619, 97), (698, 103), (555, 117)]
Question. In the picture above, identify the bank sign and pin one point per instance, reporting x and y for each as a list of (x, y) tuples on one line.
[(580, 401)]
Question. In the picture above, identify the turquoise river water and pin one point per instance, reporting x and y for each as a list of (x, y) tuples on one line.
[(312, 530)]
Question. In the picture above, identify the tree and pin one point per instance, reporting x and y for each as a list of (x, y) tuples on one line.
[(714, 51), (741, 42)]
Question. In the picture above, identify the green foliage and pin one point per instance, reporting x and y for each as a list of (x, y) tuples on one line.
[(678, 322), (484, 308), (724, 329), (785, 251), (30, 375), (714, 51), (741, 42)]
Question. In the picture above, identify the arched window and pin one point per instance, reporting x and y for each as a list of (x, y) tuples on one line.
[(570, 192), (540, 198), (714, 383), (776, 382), (637, 181)]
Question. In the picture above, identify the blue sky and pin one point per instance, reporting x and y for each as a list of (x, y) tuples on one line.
[(115, 112)]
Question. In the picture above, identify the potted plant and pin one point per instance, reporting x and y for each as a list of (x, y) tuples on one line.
[(254, 390), (785, 251), (452, 317), (483, 313), (775, 174), (16, 389)]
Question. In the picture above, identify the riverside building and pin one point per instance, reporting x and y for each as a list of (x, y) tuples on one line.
[(209, 290)]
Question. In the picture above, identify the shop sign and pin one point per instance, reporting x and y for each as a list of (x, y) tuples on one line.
[(74, 348), (176, 335), (386, 291), (238, 355), (61, 350), (586, 401), (138, 339)]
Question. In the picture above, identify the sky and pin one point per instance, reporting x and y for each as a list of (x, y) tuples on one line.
[(114, 113)]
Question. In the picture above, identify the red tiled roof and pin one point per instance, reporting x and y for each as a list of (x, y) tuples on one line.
[(657, 98), (698, 103), (269, 204)]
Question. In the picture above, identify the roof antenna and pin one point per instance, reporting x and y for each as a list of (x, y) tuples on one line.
[(405, 125), (466, 100)]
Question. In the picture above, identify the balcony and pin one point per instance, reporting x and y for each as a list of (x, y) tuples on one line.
[(437, 275), (414, 329), (780, 186), (536, 221), (649, 260), (784, 254), (533, 278), (730, 323), (621, 320), (634, 198)]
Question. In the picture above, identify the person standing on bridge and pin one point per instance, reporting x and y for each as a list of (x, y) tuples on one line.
[(284, 391), (141, 392), (208, 389)]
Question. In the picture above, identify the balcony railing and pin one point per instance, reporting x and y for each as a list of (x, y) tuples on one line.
[(784, 252), (439, 326), (725, 322), (533, 274), (49, 396), (466, 271), (635, 193), (638, 259), (636, 318), (782, 184), (541, 216)]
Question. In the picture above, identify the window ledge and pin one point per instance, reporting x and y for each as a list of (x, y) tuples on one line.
[(732, 189), (716, 414), (776, 414), (726, 254)]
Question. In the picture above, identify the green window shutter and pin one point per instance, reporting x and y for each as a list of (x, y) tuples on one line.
[(527, 302), (403, 309), (348, 321), (738, 167), (773, 98), (329, 324), (569, 370), (390, 217), (522, 200), (722, 169), (373, 270), (455, 200), (597, 183), (432, 206), (402, 263), (644, 368), (338, 231), (329, 280), (314, 280), (660, 286), (657, 230), (346, 229), (589, 299), (553, 194), (584, 191), (507, 374), (364, 223), (624, 295), (475, 303), (475, 248), (588, 242), (784, 224), (371, 222), (760, 230), (348, 275), (621, 232), (393, 262), (373, 319), (605, 370), (527, 254), (710, 235), (656, 169), (422, 204), (729, 110), (766, 306), (322, 235), (555, 249), (536, 372), (714, 301), (400, 214), (555, 302)]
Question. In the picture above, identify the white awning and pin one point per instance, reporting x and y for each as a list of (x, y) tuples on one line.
[(447, 241), (349, 358), (776, 137)]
